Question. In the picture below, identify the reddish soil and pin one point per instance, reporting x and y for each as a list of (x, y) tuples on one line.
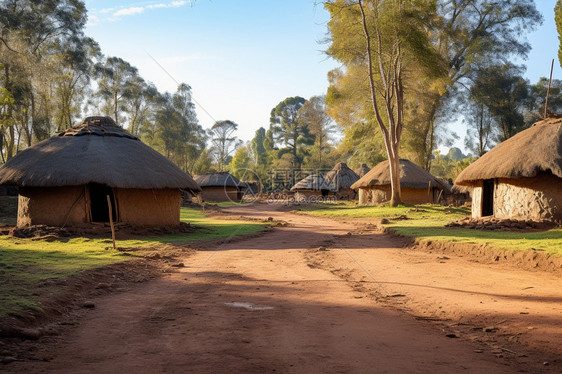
[(317, 295)]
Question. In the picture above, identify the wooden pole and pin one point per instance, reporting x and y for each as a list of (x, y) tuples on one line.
[(111, 221), (548, 90)]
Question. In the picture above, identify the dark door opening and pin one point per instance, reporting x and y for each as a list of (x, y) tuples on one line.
[(325, 193), (488, 197), (98, 202)]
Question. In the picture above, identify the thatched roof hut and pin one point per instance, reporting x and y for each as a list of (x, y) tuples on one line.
[(312, 188), (361, 171), (521, 178), (342, 178), (65, 179), (417, 186), (219, 186)]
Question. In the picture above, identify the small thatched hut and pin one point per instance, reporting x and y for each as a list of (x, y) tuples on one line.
[(342, 178), (364, 169), (520, 178), (417, 186), (313, 187), (65, 180), (219, 186)]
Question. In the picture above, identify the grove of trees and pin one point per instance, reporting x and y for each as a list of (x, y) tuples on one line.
[(408, 69)]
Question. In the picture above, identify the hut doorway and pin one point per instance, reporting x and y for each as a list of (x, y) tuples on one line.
[(488, 198), (325, 193), (98, 202)]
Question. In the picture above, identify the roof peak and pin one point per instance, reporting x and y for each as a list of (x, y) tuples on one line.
[(99, 126)]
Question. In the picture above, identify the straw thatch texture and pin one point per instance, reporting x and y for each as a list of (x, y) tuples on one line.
[(533, 151), (95, 151), (364, 169), (217, 179), (411, 176), (341, 176), (314, 183)]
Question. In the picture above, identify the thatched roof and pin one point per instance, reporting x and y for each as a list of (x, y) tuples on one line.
[(364, 169), (314, 183), (535, 150), (461, 189), (411, 176), (95, 151), (341, 176), (218, 179)]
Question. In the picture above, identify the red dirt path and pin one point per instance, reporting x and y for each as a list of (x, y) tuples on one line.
[(348, 308)]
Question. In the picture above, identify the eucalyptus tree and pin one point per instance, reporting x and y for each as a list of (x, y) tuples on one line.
[(289, 130), (224, 142), (383, 41), (115, 77), (312, 115)]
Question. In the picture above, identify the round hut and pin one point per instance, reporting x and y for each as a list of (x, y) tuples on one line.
[(314, 187), (66, 180), (364, 169), (417, 186), (219, 186), (342, 178), (521, 178)]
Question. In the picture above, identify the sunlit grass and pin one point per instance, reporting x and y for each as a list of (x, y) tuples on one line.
[(428, 222), (26, 262)]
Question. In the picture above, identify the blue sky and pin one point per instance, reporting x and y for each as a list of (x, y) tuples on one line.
[(243, 57)]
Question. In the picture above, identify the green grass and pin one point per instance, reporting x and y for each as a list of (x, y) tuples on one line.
[(24, 263), (430, 220)]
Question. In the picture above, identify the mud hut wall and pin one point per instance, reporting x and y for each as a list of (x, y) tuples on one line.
[(52, 206), (346, 194), (148, 207), (307, 195), (477, 200), (218, 194), (375, 195), (529, 198)]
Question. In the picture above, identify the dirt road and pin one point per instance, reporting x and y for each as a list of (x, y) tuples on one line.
[(283, 303)]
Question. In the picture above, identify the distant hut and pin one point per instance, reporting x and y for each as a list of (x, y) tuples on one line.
[(364, 169), (342, 178), (521, 178), (219, 186), (417, 186), (65, 180), (313, 187)]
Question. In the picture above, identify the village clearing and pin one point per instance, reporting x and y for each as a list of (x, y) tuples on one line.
[(316, 294)]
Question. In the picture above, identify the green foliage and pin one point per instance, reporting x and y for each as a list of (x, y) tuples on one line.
[(224, 142), (504, 92), (241, 162), (558, 20), (287, 128)]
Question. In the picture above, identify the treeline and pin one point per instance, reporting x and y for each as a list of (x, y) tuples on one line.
[(52, 75)]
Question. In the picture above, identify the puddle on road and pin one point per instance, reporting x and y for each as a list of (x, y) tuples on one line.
[(248, 306)]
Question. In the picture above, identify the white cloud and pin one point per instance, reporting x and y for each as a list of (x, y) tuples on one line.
[(92, 20), (128, 11), (173, 4)]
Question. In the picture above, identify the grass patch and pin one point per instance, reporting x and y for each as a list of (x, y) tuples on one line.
[(24, 262), (429, 222)]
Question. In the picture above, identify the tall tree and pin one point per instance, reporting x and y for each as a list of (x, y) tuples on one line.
[(224, 142), (313, 115), (480, 129), (504, 92), (377, 39), (287, 128), (116, 78)]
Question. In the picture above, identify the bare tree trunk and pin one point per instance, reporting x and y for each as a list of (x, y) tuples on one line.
[(391, 85)]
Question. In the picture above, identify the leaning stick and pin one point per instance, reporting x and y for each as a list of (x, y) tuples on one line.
[(111, 221)]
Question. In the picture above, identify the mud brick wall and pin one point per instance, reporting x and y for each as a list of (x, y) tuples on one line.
[(529, 198)]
